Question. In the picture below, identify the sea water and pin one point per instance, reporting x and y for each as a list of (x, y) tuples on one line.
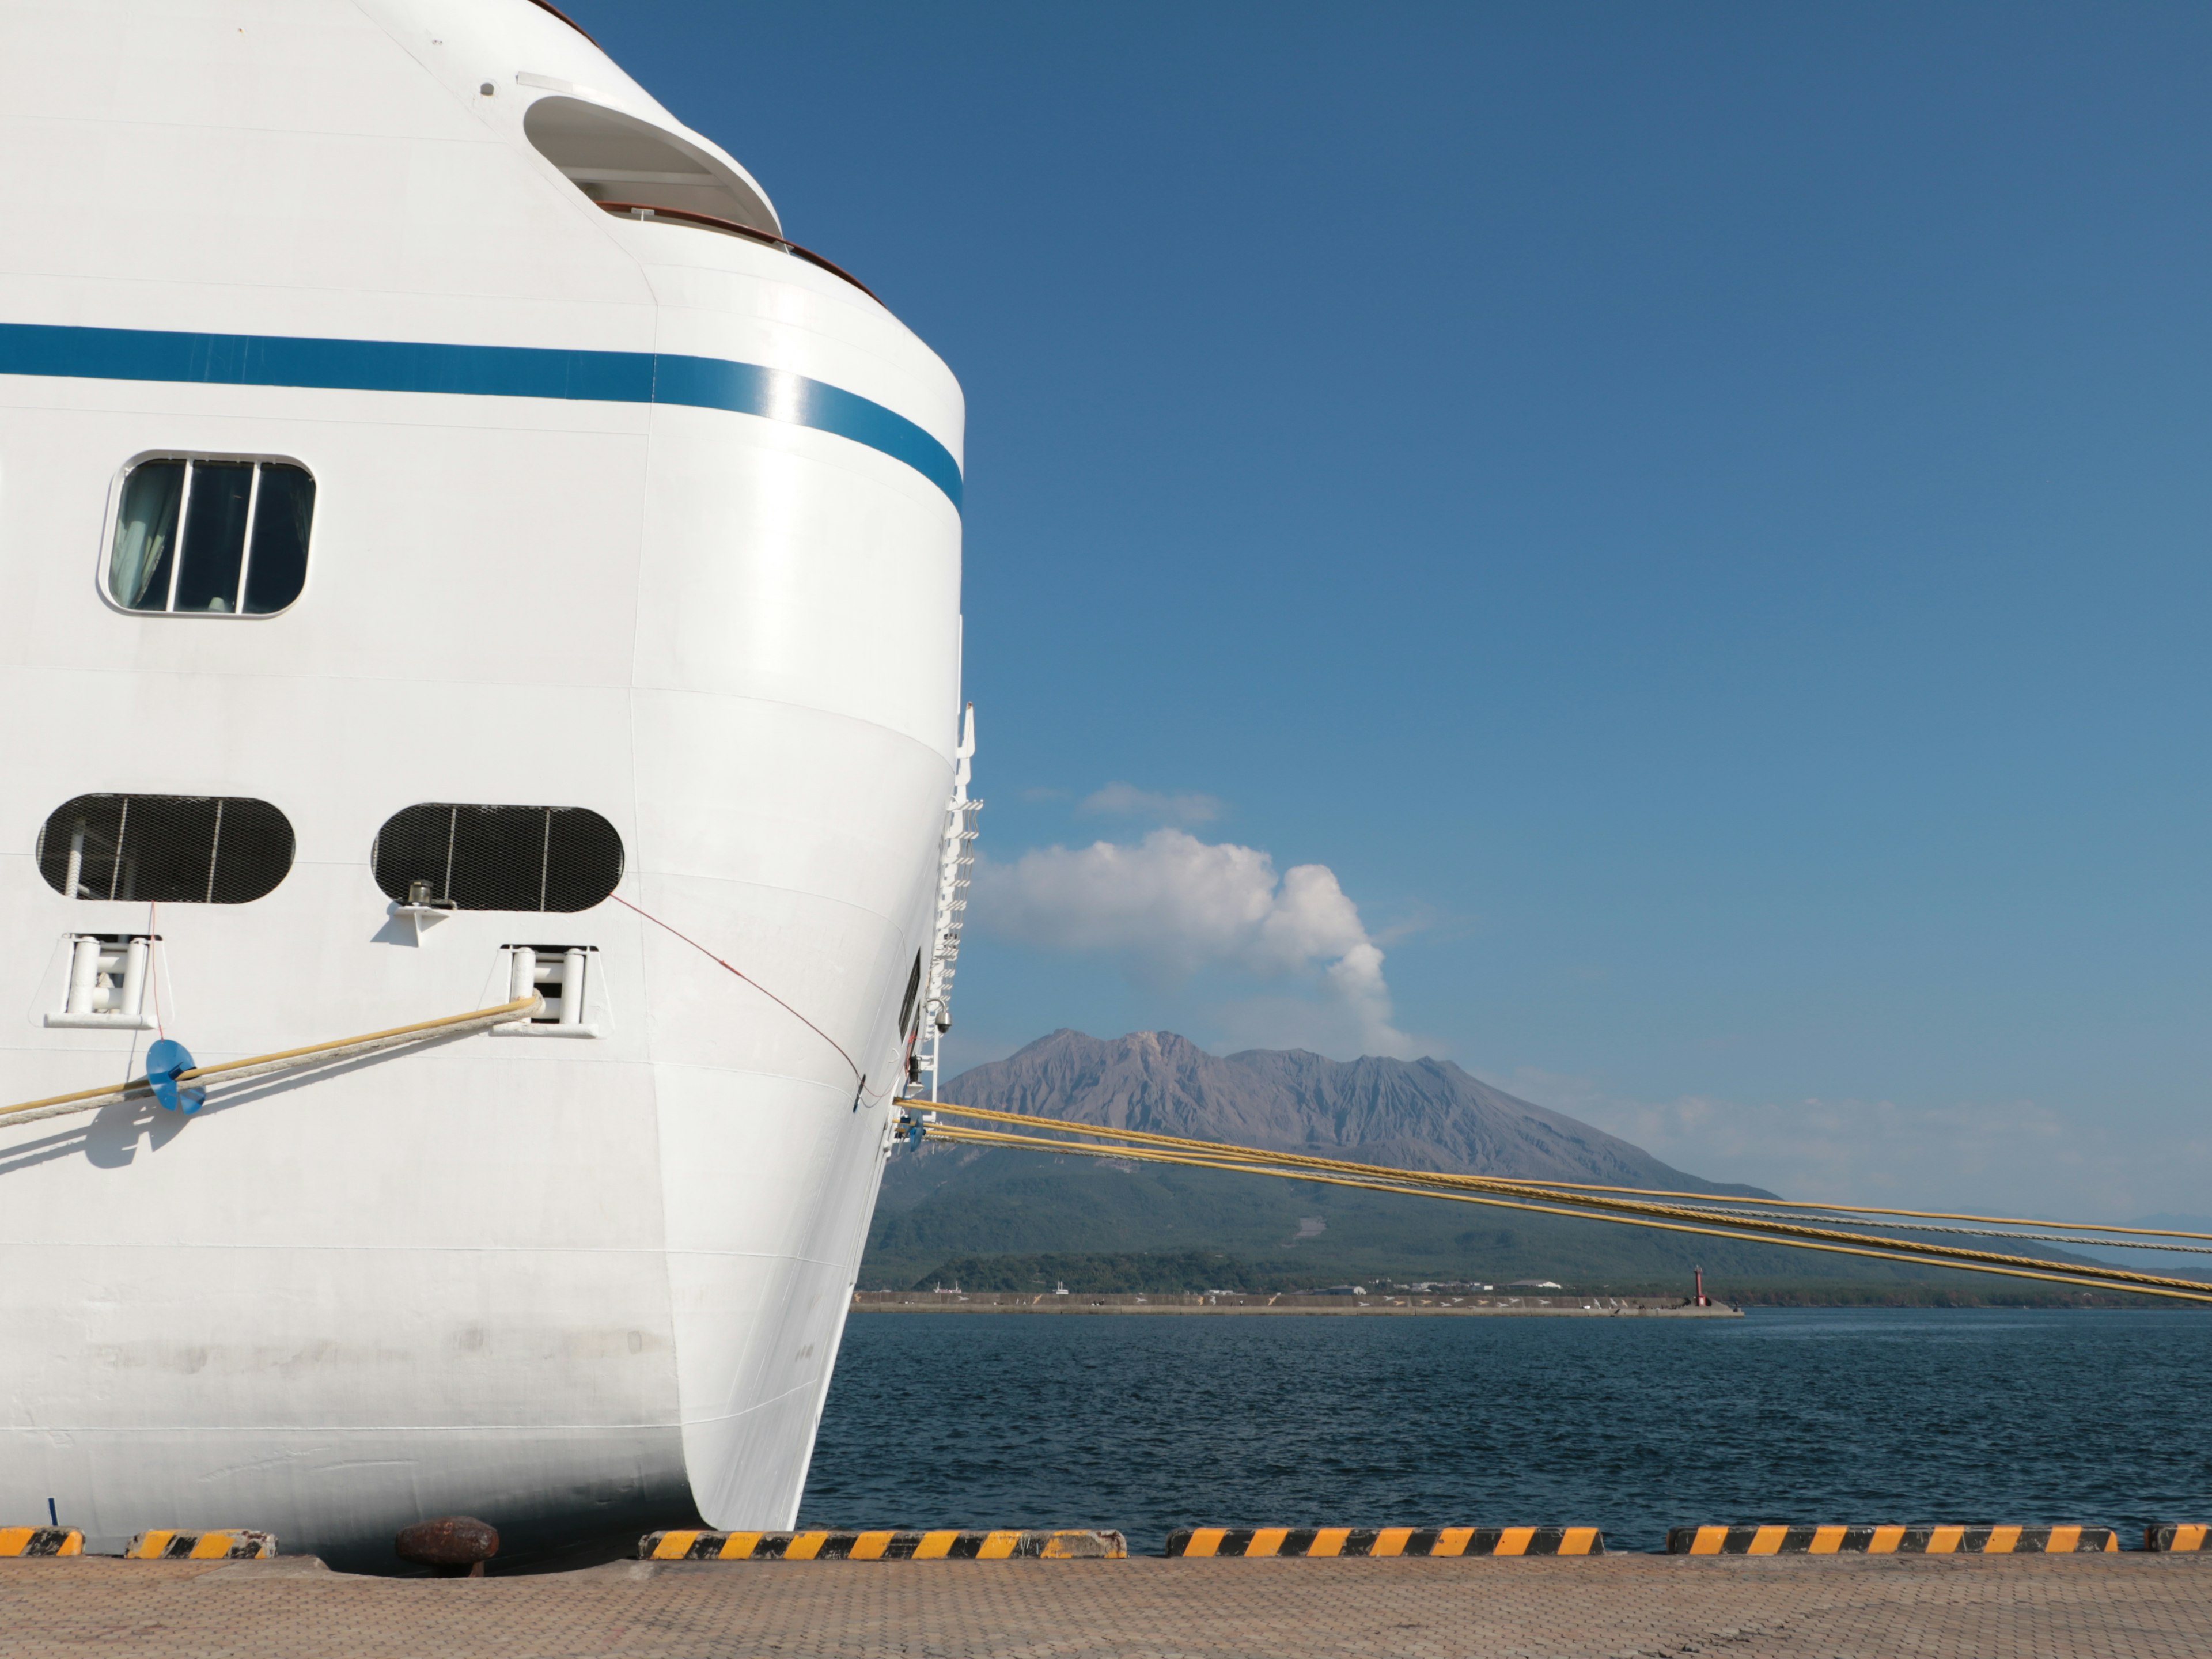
[(1148, 1422)]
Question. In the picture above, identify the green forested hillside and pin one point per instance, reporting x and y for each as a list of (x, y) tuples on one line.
[(948, 1210), (941, 1208)]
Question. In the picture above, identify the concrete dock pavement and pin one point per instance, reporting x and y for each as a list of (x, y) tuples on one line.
[(2135, 1606)]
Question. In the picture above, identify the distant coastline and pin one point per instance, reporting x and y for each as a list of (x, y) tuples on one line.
[(1235, 1303)]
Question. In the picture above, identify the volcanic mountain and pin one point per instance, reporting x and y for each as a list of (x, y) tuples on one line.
[(947, 1209), (1413, 1113)]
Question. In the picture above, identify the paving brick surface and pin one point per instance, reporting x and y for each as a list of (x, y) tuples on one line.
[(2129, 1607)]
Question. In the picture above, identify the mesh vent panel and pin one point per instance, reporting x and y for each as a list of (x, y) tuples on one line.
[(499, 858), (166, 849)]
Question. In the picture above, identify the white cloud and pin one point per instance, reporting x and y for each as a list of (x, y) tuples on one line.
[(2014, 1156), (1171, 906), (1125, 800)]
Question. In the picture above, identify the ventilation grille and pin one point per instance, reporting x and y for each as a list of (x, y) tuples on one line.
[(499, 857), (913, 992), (166, 849)]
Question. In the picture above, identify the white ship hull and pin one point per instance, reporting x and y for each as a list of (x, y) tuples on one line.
[(570, 1285)]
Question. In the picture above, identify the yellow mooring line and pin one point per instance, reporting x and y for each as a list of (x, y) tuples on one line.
[(284, 1059), (1873, 1209), (1547, 1198)]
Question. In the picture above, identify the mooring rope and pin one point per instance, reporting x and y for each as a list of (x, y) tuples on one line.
[(314, 1054), (1985, 1232), (1873, 1209), (1144, 1145), (859, 1077)]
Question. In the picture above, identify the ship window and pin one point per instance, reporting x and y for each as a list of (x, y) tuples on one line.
[(499, 857), (211, 538), (166, 849)]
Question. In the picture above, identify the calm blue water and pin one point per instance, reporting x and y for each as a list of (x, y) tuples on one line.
[(1146, 1423)]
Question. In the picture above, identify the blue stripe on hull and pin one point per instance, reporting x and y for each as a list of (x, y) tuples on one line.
[(479, 371)]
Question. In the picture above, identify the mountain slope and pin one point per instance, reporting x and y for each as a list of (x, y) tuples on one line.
[(1018, 1217), (946, 1202), (1419, 1114)]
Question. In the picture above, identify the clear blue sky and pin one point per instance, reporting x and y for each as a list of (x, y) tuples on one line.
[(1697, 516)]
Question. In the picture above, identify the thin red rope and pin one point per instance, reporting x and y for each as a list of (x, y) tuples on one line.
[(153, 967), (858, 1076)]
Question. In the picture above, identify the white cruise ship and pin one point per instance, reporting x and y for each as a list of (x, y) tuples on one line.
[(455, 555)]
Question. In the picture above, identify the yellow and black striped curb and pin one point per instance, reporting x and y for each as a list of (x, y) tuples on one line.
[(1043, 1545), (40, 1540), (2178, 1536), (231, 1543), (1198, 1542), (1891, 1540)]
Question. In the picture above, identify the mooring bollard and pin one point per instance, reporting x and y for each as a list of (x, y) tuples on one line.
[(457, 1545)]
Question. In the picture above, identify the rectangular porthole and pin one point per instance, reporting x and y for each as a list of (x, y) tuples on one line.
[(201, 536), (565, 975), (109, 975)]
